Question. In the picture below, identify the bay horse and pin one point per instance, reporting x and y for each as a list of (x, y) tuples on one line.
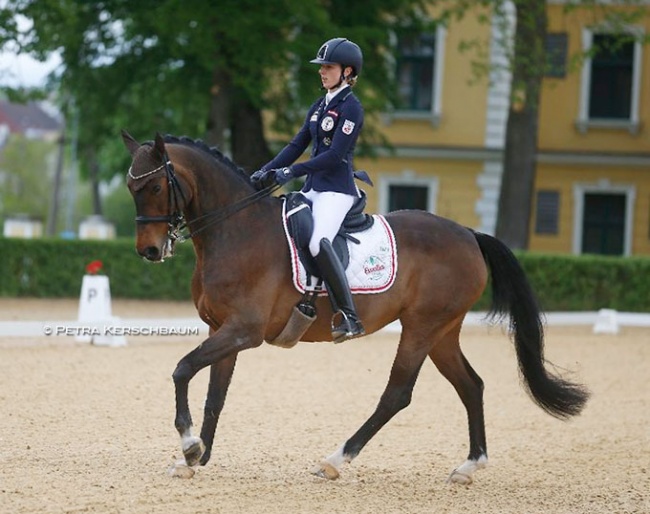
[(242, 290)]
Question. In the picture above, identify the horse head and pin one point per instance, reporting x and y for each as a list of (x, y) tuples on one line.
[(159, 197)]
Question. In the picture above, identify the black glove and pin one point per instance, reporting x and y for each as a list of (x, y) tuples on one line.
[(257, 176), (283, 175), (262, 178)]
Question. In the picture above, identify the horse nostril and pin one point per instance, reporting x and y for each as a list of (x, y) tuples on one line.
[(151, 253)]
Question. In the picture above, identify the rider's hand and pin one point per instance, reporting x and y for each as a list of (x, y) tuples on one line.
[(283, 175), (257, 176), (261, 178)]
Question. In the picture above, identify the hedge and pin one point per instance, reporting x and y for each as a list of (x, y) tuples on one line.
[(54, 268)]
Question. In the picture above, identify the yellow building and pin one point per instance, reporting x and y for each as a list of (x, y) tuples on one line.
[(592, 190)]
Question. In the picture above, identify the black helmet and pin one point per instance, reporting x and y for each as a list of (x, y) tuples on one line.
[(340, 51)]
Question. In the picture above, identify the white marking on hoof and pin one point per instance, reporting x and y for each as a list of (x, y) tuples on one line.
[(193, 448), (180, 469), (329, 468), (325, 470), (463, 474)]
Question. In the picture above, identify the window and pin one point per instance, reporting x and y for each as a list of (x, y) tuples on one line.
[(419, 64), (611, 80), (603, 218), (603, 224), (547, 212), (407, 197), (610, 91), (415, 71), (407, 191)]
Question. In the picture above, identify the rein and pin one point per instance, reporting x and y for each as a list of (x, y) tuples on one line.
[(176, 220)]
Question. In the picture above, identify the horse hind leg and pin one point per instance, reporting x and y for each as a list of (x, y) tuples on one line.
[(397, 396), (452, 364)]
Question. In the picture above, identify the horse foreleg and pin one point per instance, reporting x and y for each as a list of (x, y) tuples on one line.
[(225, 343), (396, 397), (220, 376), (191, 446), (452, 364)]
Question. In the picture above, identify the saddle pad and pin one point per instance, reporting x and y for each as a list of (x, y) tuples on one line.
[(373, 262)]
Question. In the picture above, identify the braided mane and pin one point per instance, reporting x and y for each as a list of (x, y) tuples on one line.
[(213, 151)]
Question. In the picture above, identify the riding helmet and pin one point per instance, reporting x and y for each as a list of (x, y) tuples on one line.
[(340, 51)]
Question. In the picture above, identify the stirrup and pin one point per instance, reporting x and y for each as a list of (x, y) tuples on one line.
[(348, 328)]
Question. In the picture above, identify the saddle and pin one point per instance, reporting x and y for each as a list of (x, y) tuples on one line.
[(301, 226)]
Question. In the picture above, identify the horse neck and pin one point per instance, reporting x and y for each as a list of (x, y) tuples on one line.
[(214, 187)]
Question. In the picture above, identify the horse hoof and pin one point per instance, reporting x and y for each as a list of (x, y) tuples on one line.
[(325, 470), (180, 470), (457, 477), (193, 449)]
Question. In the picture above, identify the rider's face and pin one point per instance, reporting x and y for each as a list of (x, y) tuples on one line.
[(330, 74)]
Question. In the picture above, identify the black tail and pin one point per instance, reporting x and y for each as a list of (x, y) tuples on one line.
[(512, 295)]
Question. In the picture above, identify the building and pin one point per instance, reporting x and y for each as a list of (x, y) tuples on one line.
[(592, 189), (30, 119)]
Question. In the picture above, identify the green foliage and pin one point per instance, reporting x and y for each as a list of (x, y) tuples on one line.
[(590, 282), (54, 268), (26, 170), (119, 209), (156, 66)]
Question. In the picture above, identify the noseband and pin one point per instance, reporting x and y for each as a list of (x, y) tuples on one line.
[(176, 220)]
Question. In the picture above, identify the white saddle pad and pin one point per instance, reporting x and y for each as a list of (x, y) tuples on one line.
[(373, 262)]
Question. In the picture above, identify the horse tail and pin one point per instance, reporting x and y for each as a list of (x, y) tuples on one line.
[(512, 295)]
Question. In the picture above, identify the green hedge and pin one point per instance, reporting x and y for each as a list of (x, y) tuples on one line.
[(55, 267)]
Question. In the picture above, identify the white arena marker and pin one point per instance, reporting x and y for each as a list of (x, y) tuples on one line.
[(606, 322), (95, 312)]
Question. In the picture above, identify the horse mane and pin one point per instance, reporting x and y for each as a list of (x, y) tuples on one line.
[(213, 151)]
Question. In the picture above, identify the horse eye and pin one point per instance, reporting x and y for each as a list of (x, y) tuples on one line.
[(157, 188)]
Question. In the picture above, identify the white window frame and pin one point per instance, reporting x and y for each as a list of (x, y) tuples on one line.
[(603, 186), (435, 114), (584, 123), (407, 178)]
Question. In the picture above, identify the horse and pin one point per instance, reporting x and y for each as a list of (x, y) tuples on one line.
[(242, 290)]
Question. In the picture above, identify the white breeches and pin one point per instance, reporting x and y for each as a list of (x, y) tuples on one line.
[(328, 211)]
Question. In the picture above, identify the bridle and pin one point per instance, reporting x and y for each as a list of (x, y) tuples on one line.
[(178, 229)]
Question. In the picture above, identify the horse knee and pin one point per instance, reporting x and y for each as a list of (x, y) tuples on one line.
[(183, 373), (396, 401)]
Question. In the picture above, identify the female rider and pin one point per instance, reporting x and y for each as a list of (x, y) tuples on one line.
[(332, 125)]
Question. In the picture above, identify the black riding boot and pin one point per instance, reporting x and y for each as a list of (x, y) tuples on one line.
[(337, 285)]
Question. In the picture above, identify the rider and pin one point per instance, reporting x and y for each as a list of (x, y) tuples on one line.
[(332, 125)]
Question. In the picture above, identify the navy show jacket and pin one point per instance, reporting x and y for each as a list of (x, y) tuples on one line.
[(334, 130)]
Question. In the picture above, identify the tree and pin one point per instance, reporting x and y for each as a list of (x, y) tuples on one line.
[(26, 170), (519, 167), (198, 67)]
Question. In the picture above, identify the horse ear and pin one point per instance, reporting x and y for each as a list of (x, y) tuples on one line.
[(159, 144), (131, 144)]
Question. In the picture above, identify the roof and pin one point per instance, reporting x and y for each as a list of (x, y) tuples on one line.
[(26, 118)]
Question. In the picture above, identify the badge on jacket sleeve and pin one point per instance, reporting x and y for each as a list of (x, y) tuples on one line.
[(348, 127)]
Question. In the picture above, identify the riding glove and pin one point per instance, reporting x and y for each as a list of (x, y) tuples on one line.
[(262, 178), (283, 175)]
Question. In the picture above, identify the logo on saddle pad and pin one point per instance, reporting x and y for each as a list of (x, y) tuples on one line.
[(374, 268)]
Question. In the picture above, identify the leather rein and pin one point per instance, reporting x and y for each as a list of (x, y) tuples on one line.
[(176, 220)]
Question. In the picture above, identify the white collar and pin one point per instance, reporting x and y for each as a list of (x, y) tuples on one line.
[(330, 96)]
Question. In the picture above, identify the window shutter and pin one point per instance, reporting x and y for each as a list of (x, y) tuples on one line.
[(548, 212)]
